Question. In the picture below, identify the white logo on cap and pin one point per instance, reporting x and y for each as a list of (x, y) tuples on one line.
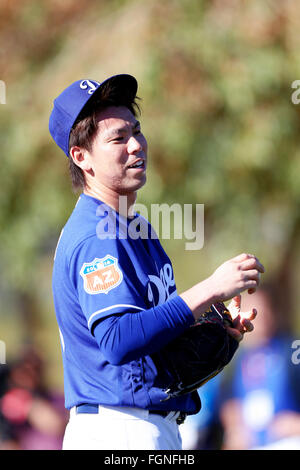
[(88, 84)]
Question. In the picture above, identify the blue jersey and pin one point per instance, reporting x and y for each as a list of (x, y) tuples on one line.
[(108, 279)]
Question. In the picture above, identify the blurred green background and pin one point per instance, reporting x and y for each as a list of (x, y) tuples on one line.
[(215, 81)]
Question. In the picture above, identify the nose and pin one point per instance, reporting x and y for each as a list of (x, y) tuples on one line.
[(134, 145)]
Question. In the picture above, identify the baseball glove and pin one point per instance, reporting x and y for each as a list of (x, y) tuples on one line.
[(200, 353)]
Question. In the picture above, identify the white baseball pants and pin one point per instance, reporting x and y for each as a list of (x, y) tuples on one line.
[(121, 428)]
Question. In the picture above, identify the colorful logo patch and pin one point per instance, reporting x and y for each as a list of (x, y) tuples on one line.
[(101, 275)]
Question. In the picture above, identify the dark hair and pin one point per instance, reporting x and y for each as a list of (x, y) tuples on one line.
[(85, 127)]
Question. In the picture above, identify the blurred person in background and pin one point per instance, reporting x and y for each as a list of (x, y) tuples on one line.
[(31, 417), (203, 431), (262, 406)]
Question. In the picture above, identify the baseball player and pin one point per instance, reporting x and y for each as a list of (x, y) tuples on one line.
[(114, 292)]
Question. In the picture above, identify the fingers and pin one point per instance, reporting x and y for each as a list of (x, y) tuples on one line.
[(249, 261), (251, 277), (246, 320), (242, 257), (251, 291), (251, 274), (252, 267), (248, 326), (235, 306), (236, 275), (250, 315), (250, 284), (235, 333), (243, 323), (236, 301), (252, 263)]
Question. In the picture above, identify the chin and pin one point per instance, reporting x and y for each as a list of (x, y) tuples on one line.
[(142, 184), (136, 186)]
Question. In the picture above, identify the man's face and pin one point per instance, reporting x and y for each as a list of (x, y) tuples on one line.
[(119, 144)]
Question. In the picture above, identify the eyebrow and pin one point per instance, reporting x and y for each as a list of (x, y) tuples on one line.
[(119, 130)]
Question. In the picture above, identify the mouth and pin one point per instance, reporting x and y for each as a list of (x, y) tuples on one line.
[(139, 164)]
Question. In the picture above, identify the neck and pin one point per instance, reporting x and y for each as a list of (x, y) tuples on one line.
[(121, 203)]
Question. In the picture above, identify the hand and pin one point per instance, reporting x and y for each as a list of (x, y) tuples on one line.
[(285, 424), (235, 276), (242, 321), (229, 280)]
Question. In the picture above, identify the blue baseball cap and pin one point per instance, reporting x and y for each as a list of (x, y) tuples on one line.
[(71, 102)]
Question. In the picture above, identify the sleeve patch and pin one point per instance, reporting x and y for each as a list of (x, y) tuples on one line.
[(101, 275)]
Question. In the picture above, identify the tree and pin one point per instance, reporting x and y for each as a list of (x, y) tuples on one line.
[(215, 78)]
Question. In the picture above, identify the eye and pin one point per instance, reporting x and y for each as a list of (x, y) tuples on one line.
[(117, 139)]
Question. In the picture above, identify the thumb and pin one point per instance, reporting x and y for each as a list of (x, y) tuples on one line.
[(235, 306), (237, 300), (250, 315)]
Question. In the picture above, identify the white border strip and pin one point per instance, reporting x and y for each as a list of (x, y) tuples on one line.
[(109, 308)]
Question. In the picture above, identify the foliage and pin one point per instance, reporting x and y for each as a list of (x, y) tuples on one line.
[(215, 78)]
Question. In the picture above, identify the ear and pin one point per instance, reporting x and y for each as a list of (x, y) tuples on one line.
[(81, 158)]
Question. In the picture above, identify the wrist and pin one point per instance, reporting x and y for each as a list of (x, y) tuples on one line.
[(213, 292), (199, 297)]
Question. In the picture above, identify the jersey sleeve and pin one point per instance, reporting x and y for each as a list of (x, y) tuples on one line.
[(105, 279)]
